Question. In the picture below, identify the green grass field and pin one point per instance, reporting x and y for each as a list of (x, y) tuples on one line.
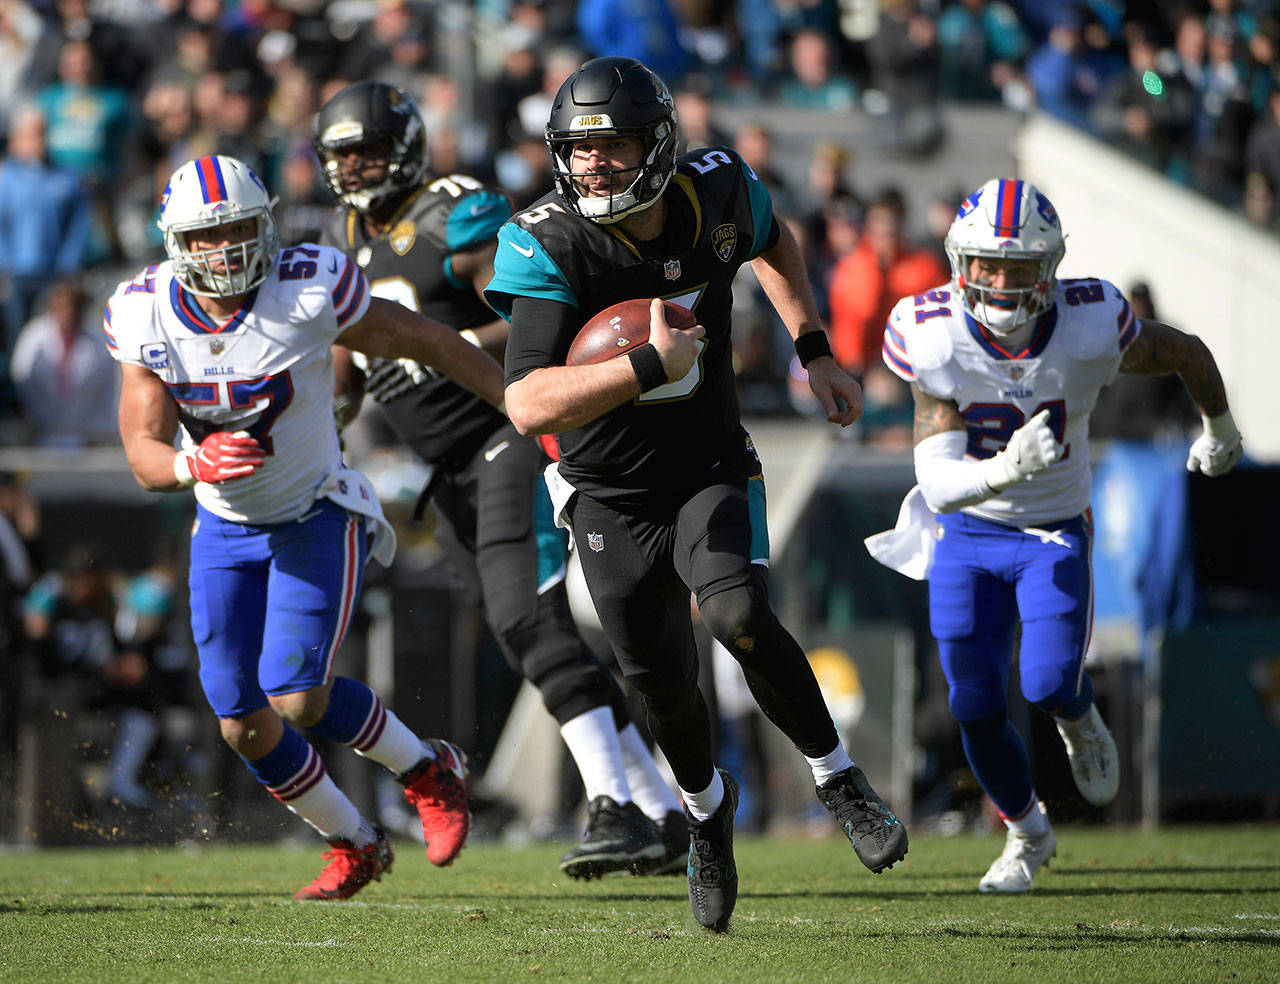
[(1184, 904)]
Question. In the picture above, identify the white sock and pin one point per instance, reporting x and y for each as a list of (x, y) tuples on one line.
[(648, 788), (398, 748), (703, 804), (593, 742), (834, 762), (1033, 823), (328, 810)]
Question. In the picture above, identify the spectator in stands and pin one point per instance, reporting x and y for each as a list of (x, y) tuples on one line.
[(980, 43), (866, 283), (814, 81), (88, 122), (905, 64), (1224, 117), (829, 212), (1262, 158), (69, 618), (21, 29), (519, 76), (66, 381), (1144, 113), (524, 169), (45, 222), (695, 111), (1060, 75), (764, 25), (532, 111), (372, 53), (646, 30), (754, 141), (154, 644)]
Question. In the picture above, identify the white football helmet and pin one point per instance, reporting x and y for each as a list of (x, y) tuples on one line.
[(208, 192), (1007, 219)]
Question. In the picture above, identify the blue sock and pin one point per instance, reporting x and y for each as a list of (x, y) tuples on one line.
[(284, 765), (354, 717)]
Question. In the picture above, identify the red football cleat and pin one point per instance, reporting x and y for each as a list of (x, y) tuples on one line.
[(350, 869), (437, 788)]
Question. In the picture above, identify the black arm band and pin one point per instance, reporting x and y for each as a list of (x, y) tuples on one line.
[(647, 365), (812, 345)]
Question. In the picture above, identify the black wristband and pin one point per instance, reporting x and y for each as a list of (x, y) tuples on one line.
[(812, 345), (647, 365)]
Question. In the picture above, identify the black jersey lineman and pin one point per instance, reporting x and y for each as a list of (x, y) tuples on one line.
[(665, 440), (410, 264)]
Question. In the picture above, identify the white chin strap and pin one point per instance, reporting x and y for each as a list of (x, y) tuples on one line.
[(1002, 321), (609, 210)]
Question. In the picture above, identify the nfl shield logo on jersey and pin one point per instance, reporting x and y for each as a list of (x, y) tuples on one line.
[(595, 541), (216, 346), (672, 269)]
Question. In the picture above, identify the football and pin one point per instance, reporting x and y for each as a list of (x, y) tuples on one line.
[(620, 328)]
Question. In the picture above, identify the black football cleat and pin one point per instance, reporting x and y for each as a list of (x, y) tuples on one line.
[(878, 837), (713, 876)]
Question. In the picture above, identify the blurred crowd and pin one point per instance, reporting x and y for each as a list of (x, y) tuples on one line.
[(100, 100), (99, 661)]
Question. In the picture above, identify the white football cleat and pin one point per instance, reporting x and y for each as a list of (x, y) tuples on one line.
[(1022, 857), (1095, 763)]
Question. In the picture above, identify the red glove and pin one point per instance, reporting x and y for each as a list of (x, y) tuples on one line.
[(221, 457)]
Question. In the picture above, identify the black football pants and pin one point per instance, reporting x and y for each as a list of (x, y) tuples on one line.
[(489, 537), (640, 574)]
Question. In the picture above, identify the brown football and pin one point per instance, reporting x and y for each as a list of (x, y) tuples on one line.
[(620, 328)]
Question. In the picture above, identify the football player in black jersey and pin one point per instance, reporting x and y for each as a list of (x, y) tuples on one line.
[(427, 241), (658, 480)]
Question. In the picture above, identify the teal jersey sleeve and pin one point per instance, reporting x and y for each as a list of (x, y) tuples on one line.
[(761, 209), (523, 268), (474, 220)]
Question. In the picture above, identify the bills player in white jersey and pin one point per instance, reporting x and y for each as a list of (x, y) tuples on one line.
[(228, 341), (1005, 363)]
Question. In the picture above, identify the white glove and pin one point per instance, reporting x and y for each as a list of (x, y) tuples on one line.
[(1031, 449), (1216, 451)]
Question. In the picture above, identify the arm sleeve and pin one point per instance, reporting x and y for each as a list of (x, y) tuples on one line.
[(541, 332), (948, 482)]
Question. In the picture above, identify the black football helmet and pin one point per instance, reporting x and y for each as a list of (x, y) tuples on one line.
[(384, 120), (614, 97)]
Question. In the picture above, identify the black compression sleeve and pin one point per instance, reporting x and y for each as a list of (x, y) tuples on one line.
[(541, 331)]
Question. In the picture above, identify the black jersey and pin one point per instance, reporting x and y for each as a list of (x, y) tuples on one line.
[(411, 264), (719, 216)]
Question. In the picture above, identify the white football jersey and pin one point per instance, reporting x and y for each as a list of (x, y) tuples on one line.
[(1074, 351), (266, 370)]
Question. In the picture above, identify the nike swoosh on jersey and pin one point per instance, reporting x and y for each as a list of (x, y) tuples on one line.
[(333, 265), (523, 252), (496, 450), (481, 209)]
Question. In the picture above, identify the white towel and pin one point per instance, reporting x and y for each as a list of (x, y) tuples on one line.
[(351, 490), (908, 547)]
